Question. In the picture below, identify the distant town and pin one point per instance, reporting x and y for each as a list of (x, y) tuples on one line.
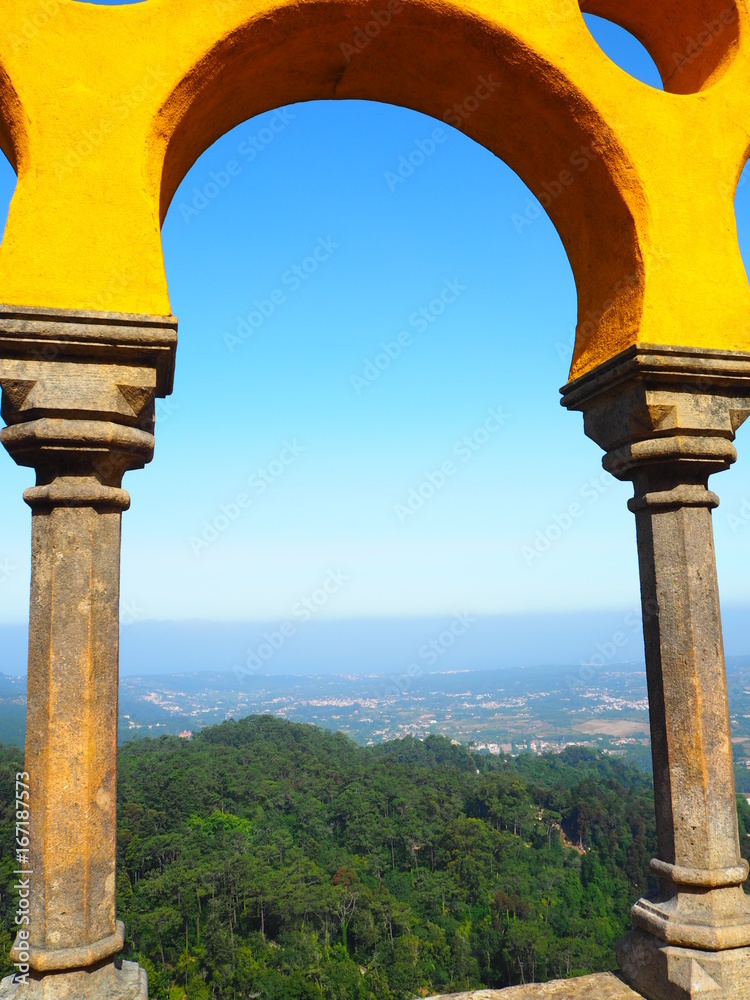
[(529, 710)]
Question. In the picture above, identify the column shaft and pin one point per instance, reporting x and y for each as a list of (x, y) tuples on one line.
[(71, 743), (692, 751)]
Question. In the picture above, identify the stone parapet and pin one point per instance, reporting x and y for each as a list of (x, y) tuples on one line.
[(601, 987), (103, 982)]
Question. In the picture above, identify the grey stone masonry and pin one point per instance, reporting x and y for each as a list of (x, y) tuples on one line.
[(78, 392), (666, 419), (601, 987)]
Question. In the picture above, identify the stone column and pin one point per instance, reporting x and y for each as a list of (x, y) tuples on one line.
[(667, 420), (78, 401)]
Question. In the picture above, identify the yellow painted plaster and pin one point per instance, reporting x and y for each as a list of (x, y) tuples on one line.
[(104, 109)]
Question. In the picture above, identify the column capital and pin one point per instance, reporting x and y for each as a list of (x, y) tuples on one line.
[(116, 338), (78, 393), (674, 411)]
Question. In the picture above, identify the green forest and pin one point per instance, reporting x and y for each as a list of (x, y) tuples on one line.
[(265, 859)]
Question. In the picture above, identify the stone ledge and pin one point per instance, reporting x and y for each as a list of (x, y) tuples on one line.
[(102, 982), (600, 987)]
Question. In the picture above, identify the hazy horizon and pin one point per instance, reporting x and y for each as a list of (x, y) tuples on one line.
[(380, 645)]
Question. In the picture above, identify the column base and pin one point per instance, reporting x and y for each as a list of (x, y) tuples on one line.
[(659, 971), (709, 919), (104, 982)]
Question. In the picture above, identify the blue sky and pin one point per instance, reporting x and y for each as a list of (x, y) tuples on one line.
[(280, 458)]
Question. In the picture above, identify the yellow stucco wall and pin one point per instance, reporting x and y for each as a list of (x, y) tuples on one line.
[(104, 109)]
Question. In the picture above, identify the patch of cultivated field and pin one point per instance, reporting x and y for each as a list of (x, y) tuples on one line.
[(613, 727)]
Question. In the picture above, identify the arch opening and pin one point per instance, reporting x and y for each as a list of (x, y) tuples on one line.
[(475, 79), (624, 49), (231, 235), (692, 44), (321, 352)]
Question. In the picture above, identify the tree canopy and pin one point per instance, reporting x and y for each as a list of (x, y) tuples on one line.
[(277, 860)]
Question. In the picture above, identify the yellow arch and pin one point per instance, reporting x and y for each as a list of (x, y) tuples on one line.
[(104, 109)]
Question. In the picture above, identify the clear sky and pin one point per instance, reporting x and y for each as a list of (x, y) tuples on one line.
[(292, 394)]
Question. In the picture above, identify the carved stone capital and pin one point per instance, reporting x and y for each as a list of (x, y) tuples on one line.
[(78, 393), (665, 415)]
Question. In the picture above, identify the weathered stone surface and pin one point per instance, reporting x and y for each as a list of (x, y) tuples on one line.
[(667, 973), (667, 420), (601, 987), (78, 400), (102, 983)]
